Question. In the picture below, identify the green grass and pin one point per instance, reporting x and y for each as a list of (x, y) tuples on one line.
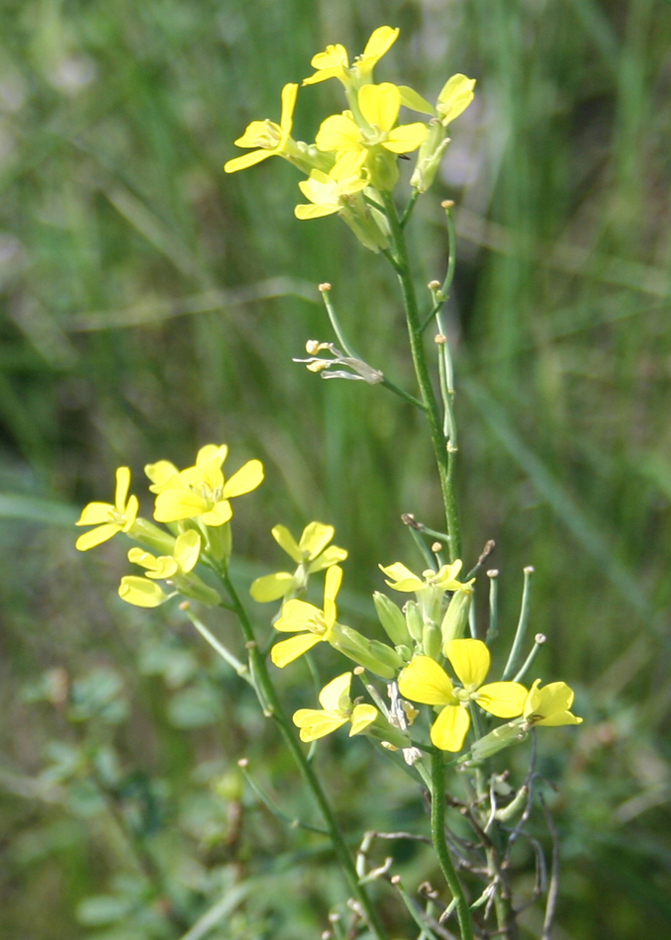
[(125, 339)]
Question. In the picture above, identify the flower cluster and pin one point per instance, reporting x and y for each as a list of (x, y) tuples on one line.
[(195, 505), (354, 157)]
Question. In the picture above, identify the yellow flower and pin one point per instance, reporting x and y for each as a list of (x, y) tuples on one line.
[(201, 491), (298, 616), (334, 61), (378, 106), (310, 553), (423, 680), (327, 195), (336, 710), (176, 568), (271, 139), (109, 519), (550, 705), (184, 559), (402, 579)]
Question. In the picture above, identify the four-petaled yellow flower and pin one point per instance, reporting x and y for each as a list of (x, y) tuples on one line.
[(550, 705), (334, 61), (327, 194), (403, 579), (379, 106), (311, 553), (269, 138), (109, 519), (423, 680), (336, 710), (298, 616), (201, 491)]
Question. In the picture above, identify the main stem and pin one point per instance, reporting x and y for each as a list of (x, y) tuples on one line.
[(440, 844), (445, 457), (273, 706)]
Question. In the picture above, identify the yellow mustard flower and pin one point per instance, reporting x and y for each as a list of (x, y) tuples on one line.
[(177, 569), (551, 705), (311, 553), (336, 710), (379, 106), (298, 616), (109, 519), (269, 138), (327, 195), (455, 96), (402, 578), (202, 491), (423, 680), (164, 472), (334, 61)]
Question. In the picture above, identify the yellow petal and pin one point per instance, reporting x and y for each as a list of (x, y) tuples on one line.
[(96, 536), (141, 593), (338, 132), (503, 699), (95, 514), (175, 504), (161, 474), (380, 105), (323, 75), (220, 513), (285, 540), (450, 728), (246, 160), (296, 614), (423, 680), (138, 556), (315, 724), (380, 42), (335, 695), (410, 99), (331, 587), (331, 556), (455, 96), (187, 550), (315, 538), (165, 567), (406, 138), (271, 587), (122, 487), (470, 660), (402, 578), (211, 453), (304, 212), (334, 56), (289, 94), (286, 651), (132, 508), (247, 478), (362, 716)]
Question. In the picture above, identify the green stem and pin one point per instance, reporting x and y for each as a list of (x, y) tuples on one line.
[(444, 459), (273, 707), (440, 844)]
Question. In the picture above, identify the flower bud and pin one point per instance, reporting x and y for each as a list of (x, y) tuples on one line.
[(377, 657), (498, 739), (429, 157), (193, 587), (152, 537), (431, 640), (455, 620), (391, 619), (220, 542), (414, 620)]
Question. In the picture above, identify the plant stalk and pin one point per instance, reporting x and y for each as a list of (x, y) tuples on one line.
[(444, 457), (272, 705)]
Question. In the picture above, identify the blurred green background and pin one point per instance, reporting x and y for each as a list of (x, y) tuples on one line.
[(150, 304)]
